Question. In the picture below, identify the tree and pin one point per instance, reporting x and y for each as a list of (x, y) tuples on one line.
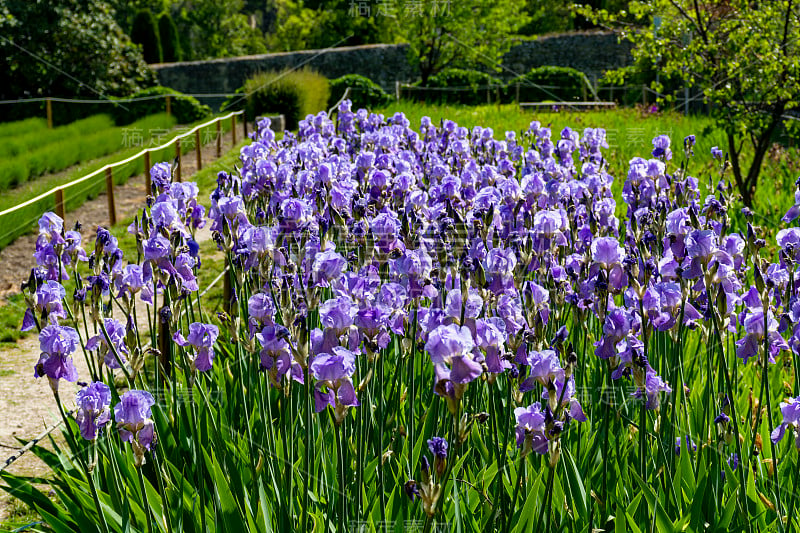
[(743, 59), (145, 33), (67, 48), (314, 24), (216, 29), (455, 34), (168, 34)]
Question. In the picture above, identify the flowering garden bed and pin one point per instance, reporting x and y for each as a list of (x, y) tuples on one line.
[(428, 328)]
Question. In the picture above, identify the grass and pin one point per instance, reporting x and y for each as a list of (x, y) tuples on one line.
[(20, 515)]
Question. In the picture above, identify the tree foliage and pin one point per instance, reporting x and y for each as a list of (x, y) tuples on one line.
[(458, 34), (145, 33), (744, 60), (216, 29), (314, 24), (66, 48)]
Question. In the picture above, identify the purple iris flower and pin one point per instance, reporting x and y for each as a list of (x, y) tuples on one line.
[(276, 353), (202, 337), (57, 343), (616, 327), (333, 372), (328, 267), (565, 393), (716, 153), (93, 402), (544, 369), (490, 337), (748, 346), (662, 303), (438, 447), (51, 224), (453, 345), (790, 410), (608, 255), (105, 241), (386, 229), (260, 307), (116, 335), (650, 389), (499, 268), (793, 211), (49, 299), (661, 147), (295, 214), (530, 429), (161, 176), (134, 422)]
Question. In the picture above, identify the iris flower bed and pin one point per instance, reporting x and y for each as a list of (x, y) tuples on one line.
[(429, 329)]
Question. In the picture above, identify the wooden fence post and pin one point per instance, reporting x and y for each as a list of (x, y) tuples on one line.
[(112, 210), (60, 203), (178, 158), (148, 184), (397, 90), (169, 105), (49, 113), (219, 138), (244, 128), (198, 149), (233, 129), (517, 89)]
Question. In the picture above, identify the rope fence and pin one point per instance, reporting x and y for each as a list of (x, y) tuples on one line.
[(58, 197)]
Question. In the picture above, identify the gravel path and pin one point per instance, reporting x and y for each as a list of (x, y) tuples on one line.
[(27, 406)]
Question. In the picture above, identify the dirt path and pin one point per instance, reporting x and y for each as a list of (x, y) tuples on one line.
[(27, 406)]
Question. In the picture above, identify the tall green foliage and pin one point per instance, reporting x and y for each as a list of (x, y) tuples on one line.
[(145, 33), (168, 34)]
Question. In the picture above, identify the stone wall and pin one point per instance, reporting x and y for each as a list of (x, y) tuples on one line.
[(592, 53)]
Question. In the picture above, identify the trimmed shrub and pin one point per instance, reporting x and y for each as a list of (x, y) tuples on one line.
[(145, 33), (294, 94), (186, 109), (549, 83), (168, 34), (363, 92), (470, 87)]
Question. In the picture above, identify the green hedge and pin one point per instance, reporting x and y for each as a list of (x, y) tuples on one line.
[(294, 94), (363, 92), (186, 109), (560, 84), (145, 33), (474, 87), (168, 34)]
